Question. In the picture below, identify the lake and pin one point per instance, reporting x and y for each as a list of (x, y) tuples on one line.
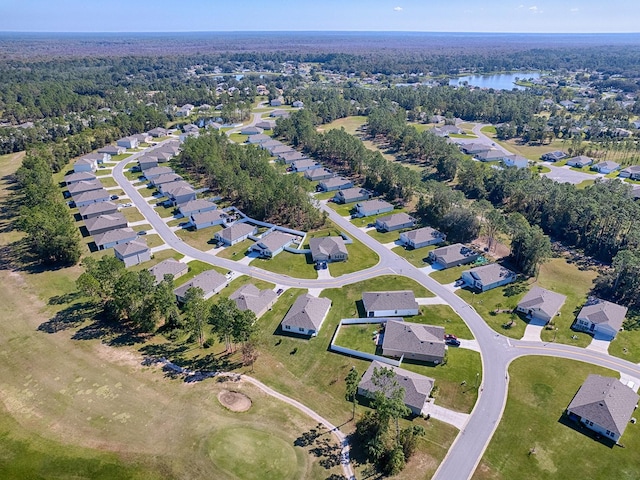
[(500, 81)]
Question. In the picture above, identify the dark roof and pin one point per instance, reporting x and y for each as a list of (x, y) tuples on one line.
[(208, 281), (603, 312), (546, 300), (307, 312), (168, 267), (414, 338), (396, 300), (606, 402)]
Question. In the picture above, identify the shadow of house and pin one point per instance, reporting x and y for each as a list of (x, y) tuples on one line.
[(575, 425)]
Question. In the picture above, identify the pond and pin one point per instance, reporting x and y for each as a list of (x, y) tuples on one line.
[(500, 81)]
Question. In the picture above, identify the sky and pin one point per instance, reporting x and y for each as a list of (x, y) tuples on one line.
[(536, 16)]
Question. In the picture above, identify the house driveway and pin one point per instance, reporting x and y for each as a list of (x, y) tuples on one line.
[(431, 301), (532, 332), (469, 345), (564, 174), (457, 419), (631, 382), (598, 345), (324, 274)]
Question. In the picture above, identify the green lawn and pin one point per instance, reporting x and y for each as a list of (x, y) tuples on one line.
[(132, 214), (108, 182), (359, 337), (364, 221), (101, 172), (238, 138), (489, 130), (626, 345), (323, 195), (443, 316), (586, 169), (584, 184), (200, 239), (293, 264), (147, 191), (350, 124), (153, 240), (416, 257), (462, 135), (387, 237), (237, 251), (449, 275), (539, 169), (166, 212), (122, 156), (132, 176), (344, 210), (196, 267), (540, 389)]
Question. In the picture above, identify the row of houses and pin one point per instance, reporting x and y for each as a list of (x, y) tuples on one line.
[(485, 153)]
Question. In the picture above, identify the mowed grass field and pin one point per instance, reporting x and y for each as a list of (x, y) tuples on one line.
[(540, 389), (77, 402)]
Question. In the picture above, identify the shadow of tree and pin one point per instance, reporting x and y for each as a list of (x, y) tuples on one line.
[(70, 317), (515, 289)]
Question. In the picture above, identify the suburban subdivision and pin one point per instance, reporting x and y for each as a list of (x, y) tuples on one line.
[(269, 260)]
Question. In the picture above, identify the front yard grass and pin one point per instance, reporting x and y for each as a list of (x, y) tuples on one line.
[(343, 209), (132, 214), (201, 239), (540, 389), (166, 212), (626, 345), (296, 265), (443, 316), (364, 221), (237, 251), (153, 240), (238, 138), (415, 256), (449, 275)]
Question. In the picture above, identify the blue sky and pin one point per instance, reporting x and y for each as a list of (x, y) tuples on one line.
[(590, 16)]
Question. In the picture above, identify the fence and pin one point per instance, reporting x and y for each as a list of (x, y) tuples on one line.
[(357, 353)]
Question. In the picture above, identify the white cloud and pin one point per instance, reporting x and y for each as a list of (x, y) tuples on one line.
[(534, 9), (520, 6), (574, 10), (397, 9)]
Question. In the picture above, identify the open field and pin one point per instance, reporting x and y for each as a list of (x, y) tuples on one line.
[(350, 124), (540, 389)]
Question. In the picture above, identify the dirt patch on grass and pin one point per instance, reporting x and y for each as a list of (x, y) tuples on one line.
[(234, 401)]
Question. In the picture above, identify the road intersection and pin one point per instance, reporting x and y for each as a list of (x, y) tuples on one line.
[(497, 351)]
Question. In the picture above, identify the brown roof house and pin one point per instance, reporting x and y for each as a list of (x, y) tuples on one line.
[(489, 276), (604, 405), (235, 233), (169, 266), (328, 249), (540, 305), (414, 341), (453, 255), (210, 281), (306, 315), (250, 297), (133, 252), (272, 244), (401, 303), (422, 237), (601, 318), (395, 221), (417, 388)]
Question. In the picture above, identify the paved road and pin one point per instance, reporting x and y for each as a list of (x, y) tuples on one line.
[(497, 351)]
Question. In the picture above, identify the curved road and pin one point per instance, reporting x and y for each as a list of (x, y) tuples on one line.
[(497, 351)]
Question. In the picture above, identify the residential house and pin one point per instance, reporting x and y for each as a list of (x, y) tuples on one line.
[(541, 305), (250, 297), (291, 157), (417, 388), (306, 315), (209, 218), (128, 142), (235, 233), (165, 178), (489, 276), (251, 130), (328, 249), (632, 172), (304, 165), (168, 267), (185, 110), (272, 244), (579, 161), (84, 186), (414, 341), (279, 114), (257, 139), (474, 148), (516, 161), (158, 132), (183, 136), (555, 156), (266, 125), (446, 130), (269, 144), (318, 174), (276, 102), (372, 207), (96, 209), (190, 128), (400, 303), (395, 221), (178, 192), (604, 405), (143, 138), (133, 252), (79, 177), (154, 172), (297, 104), (147, 162), (492, 155), (351, 195), (210, 281), (104, 223), (214, 125), (196, 206), (112, 150), (422, 237), (85, 165), (94, 196), (114, 237), (453, 255), (606, 167), (334, 183), (275, 151), (601, 318)]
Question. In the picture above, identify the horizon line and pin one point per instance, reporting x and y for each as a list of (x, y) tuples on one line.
[(313, 31)]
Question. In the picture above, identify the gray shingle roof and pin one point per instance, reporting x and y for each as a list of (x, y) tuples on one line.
[(335, 182), (606, 402), (98, 208), (85, 186), (547, 301), (317, 173), (307, 312), (79, 176), (156, 171), (114, 236), (197, 204), (113, 220), (131, 248), (235, 231), (604, 312), (327, 246), (352, 194), (208, 216), (91, 195), (374, 204), (414, 338), (304, 163), (416, 387), (250, 297), (208, 281), (492, 273), (395, 219), (425, 234), (168, 267), (396, 300), (453, 253), (275, 240)]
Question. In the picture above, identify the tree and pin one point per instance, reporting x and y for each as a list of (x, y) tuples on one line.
[(249, 354), (196, 313), (222, 318), (352, 380), (388, 400)]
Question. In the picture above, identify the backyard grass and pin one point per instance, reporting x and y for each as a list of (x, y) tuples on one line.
[(415, 256), (238, 138), (540, 389), (132, 214), (237, 251), (360, 337), (200, 239), (296, 265)]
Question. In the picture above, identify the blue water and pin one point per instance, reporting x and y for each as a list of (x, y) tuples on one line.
[(502, 81)]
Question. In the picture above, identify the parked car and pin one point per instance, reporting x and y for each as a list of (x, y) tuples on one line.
[(454, 342), (114, 197), (142, 232), (279, 292), (450, 336), (459, 283)]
